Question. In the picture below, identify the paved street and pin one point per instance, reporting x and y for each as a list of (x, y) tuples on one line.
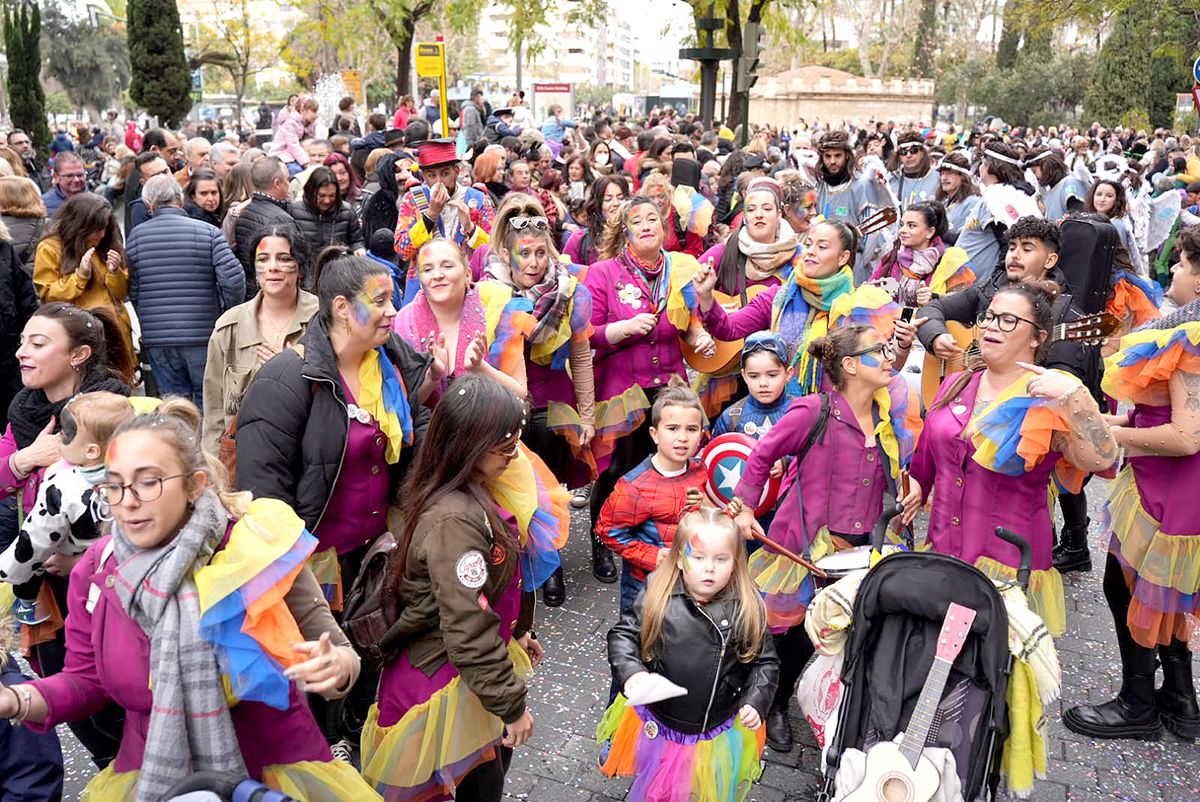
[(569, 692)]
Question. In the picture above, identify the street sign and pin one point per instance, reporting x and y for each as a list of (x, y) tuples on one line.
[(430, 58), (197, 85), (1196, 71), (352, 79)]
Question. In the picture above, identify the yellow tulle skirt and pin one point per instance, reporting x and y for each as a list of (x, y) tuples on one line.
[(309, 781), (1163, 571), (786, 586), (1045, 593), (426, 753)]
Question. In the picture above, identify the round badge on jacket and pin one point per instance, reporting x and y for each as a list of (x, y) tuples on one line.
[(471, 569)]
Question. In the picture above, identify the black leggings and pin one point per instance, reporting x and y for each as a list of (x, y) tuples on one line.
[(552, 448), (485, 783), (794, 649), (1074, 508), (1135, 658)]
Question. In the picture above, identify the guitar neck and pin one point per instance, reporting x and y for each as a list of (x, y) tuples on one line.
[(921, 721)]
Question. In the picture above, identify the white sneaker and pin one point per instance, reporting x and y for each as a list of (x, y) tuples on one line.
[(342, 751), (581, 497)]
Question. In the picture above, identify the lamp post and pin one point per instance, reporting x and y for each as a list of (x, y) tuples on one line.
[(710, 58)]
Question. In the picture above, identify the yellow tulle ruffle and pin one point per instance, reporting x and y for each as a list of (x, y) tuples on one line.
[(436, 741), (1163, 570), (311, 781), (563, 420), (783, 582), (1045, 593)]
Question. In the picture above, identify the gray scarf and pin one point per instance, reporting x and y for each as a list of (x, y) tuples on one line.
[(1184, 314), (190, 728)]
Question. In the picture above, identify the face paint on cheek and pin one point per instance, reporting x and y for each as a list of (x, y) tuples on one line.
[(360, 310)]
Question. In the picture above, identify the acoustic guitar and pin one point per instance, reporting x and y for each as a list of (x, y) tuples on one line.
[(729, 352), (900, 772)]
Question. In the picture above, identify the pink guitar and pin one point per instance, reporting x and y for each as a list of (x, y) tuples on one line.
[(901, 772)]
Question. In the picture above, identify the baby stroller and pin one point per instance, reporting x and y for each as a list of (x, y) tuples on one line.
[(209, 786), (898, 616)]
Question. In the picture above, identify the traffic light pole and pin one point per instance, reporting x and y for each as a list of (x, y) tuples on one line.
[(710, 59)]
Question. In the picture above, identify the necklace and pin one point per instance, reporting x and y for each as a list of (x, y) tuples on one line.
[(280, 329)]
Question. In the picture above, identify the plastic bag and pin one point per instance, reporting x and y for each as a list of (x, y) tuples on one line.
[(819, 694)]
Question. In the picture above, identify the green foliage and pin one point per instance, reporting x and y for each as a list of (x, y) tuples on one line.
[(1059, 82), (598, 95), (161, 82), (847, 59), (90, 62), (22, 44), (60, 103), (1010, 37), (925, 45)]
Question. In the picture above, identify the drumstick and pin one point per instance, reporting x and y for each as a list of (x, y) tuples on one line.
[(796, 558)]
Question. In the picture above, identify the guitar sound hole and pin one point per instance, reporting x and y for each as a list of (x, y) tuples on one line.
[(895, 788)]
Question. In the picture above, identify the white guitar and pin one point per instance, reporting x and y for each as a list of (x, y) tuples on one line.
[(901, 772)]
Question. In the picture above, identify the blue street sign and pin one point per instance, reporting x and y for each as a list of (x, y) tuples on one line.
[(1196, 71)]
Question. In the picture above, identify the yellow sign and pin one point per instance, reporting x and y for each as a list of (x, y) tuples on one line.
[(352, 80), (430, 60)]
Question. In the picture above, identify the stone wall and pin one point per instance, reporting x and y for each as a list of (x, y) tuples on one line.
[(834, 96)]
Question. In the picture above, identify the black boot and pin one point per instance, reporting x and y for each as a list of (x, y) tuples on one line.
[(554, 593), (1131, 715), (603, 567), (1071, 553), (1176, 699), (779, 728)]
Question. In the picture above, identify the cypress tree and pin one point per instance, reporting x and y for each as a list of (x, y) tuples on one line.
[(27, 100), (1120, 83), (161, 82), (925, 45)]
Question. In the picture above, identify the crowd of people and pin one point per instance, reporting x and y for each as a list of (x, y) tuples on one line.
[(293, 426)]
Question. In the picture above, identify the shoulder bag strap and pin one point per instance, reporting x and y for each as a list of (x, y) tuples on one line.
[(817, 432)]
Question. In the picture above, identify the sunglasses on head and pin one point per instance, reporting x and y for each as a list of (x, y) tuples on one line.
[(520, 223)]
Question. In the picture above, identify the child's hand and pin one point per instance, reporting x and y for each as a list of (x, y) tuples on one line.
[(749, 717), (661, 558), (777, 469), (634, 681)]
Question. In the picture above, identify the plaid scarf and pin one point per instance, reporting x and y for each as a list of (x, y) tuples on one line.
[(190, 727), (551, 297)]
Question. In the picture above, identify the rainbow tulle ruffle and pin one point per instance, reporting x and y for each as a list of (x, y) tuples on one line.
[(786, 586), (668, 766), (509, 321), (900, 423), (243, 613), (615, 418), (425, 754), (1134, 300), (952, 272), (576, 326), (1013, 434), (695, 210), (310, 780), (714, 392), (1163, 571), (868, 305), (533, 495), (328, 571), (1140, 371), (1045, 592), (564, 421), (683, 309)]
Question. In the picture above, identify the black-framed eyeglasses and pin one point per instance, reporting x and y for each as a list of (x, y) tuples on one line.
[(145, 489), (521, 222), (886, 349), (1005, 321)]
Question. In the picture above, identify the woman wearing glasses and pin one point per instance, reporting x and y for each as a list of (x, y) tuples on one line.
[(840, 490), (245, 337), (327, 427), (143, 602), (562, 400), (453, 703), (996, 434)]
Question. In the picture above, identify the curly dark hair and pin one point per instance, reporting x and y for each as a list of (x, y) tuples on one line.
[(1039, 228)]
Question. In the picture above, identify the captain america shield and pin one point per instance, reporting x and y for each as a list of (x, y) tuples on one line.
[(724, 460)]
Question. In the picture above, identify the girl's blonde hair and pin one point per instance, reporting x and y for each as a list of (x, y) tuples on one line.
[(750, 623), (176, 422)]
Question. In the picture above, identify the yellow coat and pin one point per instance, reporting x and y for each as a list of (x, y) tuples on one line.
[(104, 288)]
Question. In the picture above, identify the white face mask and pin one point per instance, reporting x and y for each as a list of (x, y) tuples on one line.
[(601, 158)]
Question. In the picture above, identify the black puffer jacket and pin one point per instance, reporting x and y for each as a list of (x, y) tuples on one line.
[(18, 301), (696, 650), (261, 211), (292, 425), (381, 209), (338, 227)]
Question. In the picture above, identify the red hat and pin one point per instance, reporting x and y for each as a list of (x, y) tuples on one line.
[(436, 152)]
